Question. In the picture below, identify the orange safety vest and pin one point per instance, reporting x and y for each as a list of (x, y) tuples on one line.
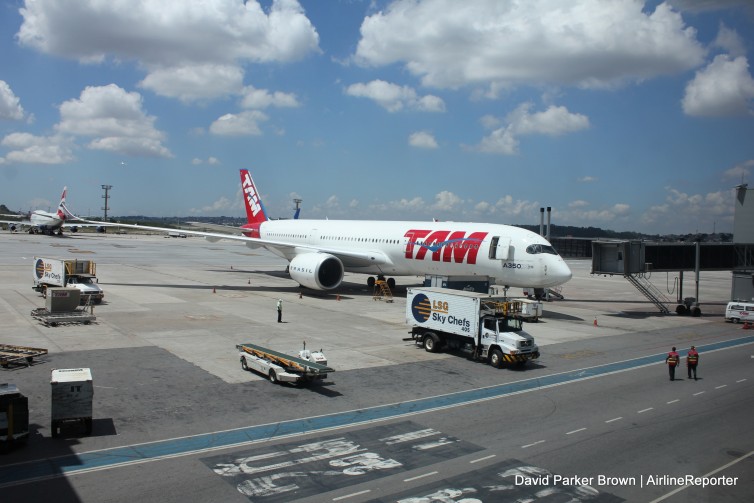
[(672, 358), (692, 358)]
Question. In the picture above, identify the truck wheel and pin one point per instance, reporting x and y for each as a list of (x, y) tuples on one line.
[(431, 343), (273, 377), (244, 364), (496, 358)]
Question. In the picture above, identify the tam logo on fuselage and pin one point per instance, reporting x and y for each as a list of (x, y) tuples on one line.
[(445, 246), (252, 199)]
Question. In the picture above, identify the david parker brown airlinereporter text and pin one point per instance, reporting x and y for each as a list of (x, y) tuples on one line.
[(642, 480)]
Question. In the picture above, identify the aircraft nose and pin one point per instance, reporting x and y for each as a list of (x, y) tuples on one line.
[(559, 272)]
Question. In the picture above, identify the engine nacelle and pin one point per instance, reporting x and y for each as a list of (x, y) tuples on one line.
[(318, 271), (73, 228)]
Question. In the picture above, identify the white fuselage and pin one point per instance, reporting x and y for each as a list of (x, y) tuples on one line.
[(45, 221), (511, 255)]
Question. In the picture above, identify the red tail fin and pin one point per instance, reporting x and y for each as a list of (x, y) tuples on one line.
[(61, 207), (255, 213)]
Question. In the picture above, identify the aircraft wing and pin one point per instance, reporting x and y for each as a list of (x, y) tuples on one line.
[(348, 257)]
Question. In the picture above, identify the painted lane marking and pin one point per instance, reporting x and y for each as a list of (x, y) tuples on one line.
[(740, 380), (698, 393), (613, 419), (207, 442), (532, 444), (721, 386), (420, 477), (642, 411), (482, 459), (575, 431), (351, 495), (713, 472), (673, 401)]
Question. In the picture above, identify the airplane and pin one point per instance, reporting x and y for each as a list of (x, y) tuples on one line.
[(319, 252), (44, 222)]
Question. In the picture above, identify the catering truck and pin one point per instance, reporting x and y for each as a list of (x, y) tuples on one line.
[(486, 326), (72, 273)]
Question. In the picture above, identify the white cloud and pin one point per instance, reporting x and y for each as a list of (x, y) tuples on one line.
[(723, 88), (194, 82), (578, 214), (554, 121), (588, 179), (422, 139), (730, 41), (222, 204), (739, 172), (116, 121), (508, 209), (447, 201), (210, 160), (262, 98), (26, 148), (591, 43), (395, 98), (701, 209), (10, 105), (176, 43), (242, 124), (579, 203)]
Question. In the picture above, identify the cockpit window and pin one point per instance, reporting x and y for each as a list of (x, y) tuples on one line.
[(539, 248)]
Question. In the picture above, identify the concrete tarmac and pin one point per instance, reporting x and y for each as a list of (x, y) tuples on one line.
[(162, 350)]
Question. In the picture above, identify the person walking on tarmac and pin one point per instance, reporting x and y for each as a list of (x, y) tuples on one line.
[(692, 360), (672, 361), (280, 310)]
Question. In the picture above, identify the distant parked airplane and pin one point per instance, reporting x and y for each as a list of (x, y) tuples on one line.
[(321, 251), (44, 222)]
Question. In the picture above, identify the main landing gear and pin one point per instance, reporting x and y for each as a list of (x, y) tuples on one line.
[(371, 280)]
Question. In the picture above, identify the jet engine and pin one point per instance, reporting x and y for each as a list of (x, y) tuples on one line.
[(318, 271)]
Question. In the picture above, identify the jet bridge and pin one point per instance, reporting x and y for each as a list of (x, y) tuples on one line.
[(635, 260)]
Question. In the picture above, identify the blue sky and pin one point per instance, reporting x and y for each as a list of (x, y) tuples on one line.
[(619, 114)]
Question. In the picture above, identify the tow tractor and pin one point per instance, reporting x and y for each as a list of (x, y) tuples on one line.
[(307, 367)]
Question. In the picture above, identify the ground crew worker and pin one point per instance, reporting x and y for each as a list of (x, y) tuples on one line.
[(692, 360), (280, 310), (672, 361)]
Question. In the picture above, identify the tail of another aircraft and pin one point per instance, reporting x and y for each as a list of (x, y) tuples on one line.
[(255, 213), (62, 210)]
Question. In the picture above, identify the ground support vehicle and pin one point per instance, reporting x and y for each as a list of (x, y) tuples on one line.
[(531, 310), (18, 355), (14, 417), (51, 319), (489, 328), (307, 367), (73, 273), (739, 311), (72, 397)]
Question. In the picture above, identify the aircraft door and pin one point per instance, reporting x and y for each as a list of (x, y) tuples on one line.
[(500, 248)]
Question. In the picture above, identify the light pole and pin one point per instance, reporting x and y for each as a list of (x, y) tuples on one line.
[(106, 188)]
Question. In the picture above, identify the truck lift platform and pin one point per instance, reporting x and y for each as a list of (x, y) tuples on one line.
[(51, 319), (18, 355), (283, 367)]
